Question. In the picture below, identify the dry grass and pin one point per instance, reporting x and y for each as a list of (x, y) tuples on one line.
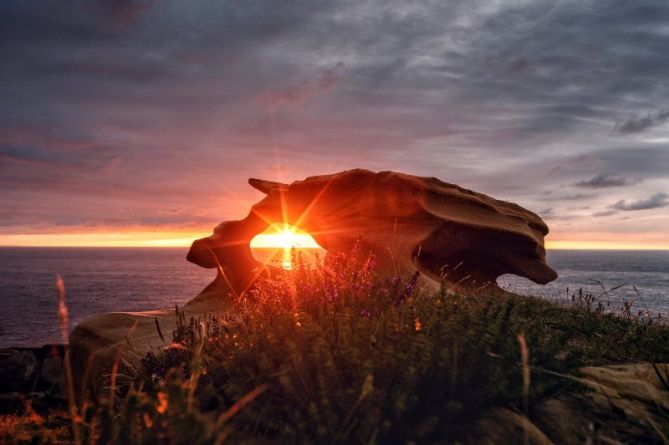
[(339, 354)]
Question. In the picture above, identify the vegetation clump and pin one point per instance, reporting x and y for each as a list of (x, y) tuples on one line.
[(338, 353)]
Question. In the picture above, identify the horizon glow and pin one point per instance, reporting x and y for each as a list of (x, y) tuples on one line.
[(283, 236), (265, 240)]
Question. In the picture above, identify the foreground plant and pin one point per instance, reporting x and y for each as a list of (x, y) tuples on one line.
[(350, 356), (339, 354)]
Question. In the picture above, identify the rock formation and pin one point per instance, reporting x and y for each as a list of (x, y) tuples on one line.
[(624, 404), (408, 222)]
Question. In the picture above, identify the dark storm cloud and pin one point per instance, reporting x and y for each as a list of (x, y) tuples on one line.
[(643, 123), (605, 180), (541, 178), (160, 105), (656, 201), (638, 161), (124, 12)]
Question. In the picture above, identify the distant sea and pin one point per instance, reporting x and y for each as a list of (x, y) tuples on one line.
[(131, 279)]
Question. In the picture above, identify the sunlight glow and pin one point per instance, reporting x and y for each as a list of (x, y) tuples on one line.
[(284, 236), (104, 239), (274, 246), (273, 238)]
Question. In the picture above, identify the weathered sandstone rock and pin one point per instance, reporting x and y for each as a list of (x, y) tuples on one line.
[(410, 223), (100, 341), (625, 404)]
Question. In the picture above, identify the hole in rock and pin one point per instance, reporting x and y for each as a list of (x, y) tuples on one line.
[(275, 245)]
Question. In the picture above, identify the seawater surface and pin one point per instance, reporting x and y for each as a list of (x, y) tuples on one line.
[(641, 276), (130, 279), (96, 280)]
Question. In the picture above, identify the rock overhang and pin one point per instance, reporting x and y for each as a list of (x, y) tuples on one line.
[(430, 224)]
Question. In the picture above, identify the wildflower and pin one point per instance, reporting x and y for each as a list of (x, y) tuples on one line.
[(411, 285), (367, 386), (33, 417), (332, 296), (62, 308), (162, 403), (525, 366), (147, 420), (408, 288)]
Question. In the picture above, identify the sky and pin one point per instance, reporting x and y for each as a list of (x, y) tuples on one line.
[(138, 122)]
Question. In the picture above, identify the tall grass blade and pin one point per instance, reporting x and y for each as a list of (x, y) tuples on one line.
[(63, 320)]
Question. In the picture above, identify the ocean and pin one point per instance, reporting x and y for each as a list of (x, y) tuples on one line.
[(614, 276), (131, 279)]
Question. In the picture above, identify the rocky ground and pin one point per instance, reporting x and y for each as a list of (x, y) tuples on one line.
[(31, 374)]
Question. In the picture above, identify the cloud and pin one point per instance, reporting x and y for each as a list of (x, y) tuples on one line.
[(604, 213), (572, 197), (124, 12), (605, 180), (639, 124), (293, 95), (548, 212), (110, 104), (656, 201)]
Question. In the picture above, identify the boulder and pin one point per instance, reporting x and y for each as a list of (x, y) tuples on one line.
[(31, 374), (102, 341), (626, 403), (18, 368), (410, 223)]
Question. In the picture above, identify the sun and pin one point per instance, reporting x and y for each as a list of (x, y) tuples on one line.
[(286, 239), (283, 236), (274, 246)]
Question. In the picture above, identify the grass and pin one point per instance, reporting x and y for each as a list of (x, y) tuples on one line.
[(341, 354)]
